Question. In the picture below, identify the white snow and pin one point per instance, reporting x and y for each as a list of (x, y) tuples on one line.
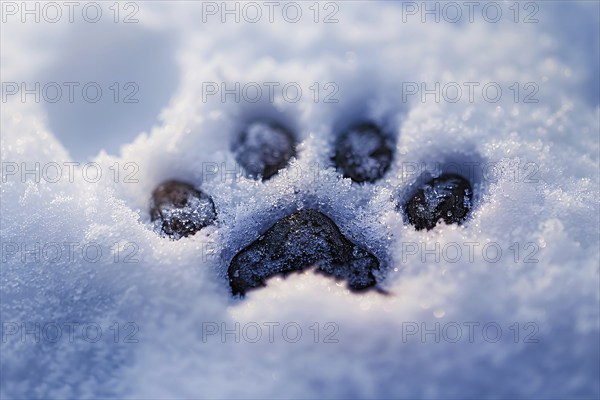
[(172, 295)]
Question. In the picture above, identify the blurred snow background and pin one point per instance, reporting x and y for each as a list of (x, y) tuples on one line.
[(176, 289)]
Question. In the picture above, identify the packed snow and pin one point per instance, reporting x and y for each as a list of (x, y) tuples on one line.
[(95, 303)]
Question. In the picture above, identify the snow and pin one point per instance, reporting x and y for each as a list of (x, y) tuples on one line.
[(534, 169)]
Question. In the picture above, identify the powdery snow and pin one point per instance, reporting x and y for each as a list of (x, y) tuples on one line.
[(170, 300)]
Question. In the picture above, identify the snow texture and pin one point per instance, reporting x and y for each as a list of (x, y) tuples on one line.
[(170, 296)]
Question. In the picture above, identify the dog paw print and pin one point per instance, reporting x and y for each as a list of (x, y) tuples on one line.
[(308, 238)]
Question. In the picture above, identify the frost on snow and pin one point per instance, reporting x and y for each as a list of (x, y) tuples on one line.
[(532, 167)]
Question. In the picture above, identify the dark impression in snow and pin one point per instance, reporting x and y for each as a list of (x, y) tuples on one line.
[(449, 197), (263, 148), (179, 210), (304, 239), (363, 153)]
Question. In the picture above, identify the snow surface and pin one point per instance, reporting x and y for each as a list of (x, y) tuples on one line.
[(179, 288)]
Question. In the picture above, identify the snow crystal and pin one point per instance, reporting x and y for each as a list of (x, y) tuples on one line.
[(504, 305)]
